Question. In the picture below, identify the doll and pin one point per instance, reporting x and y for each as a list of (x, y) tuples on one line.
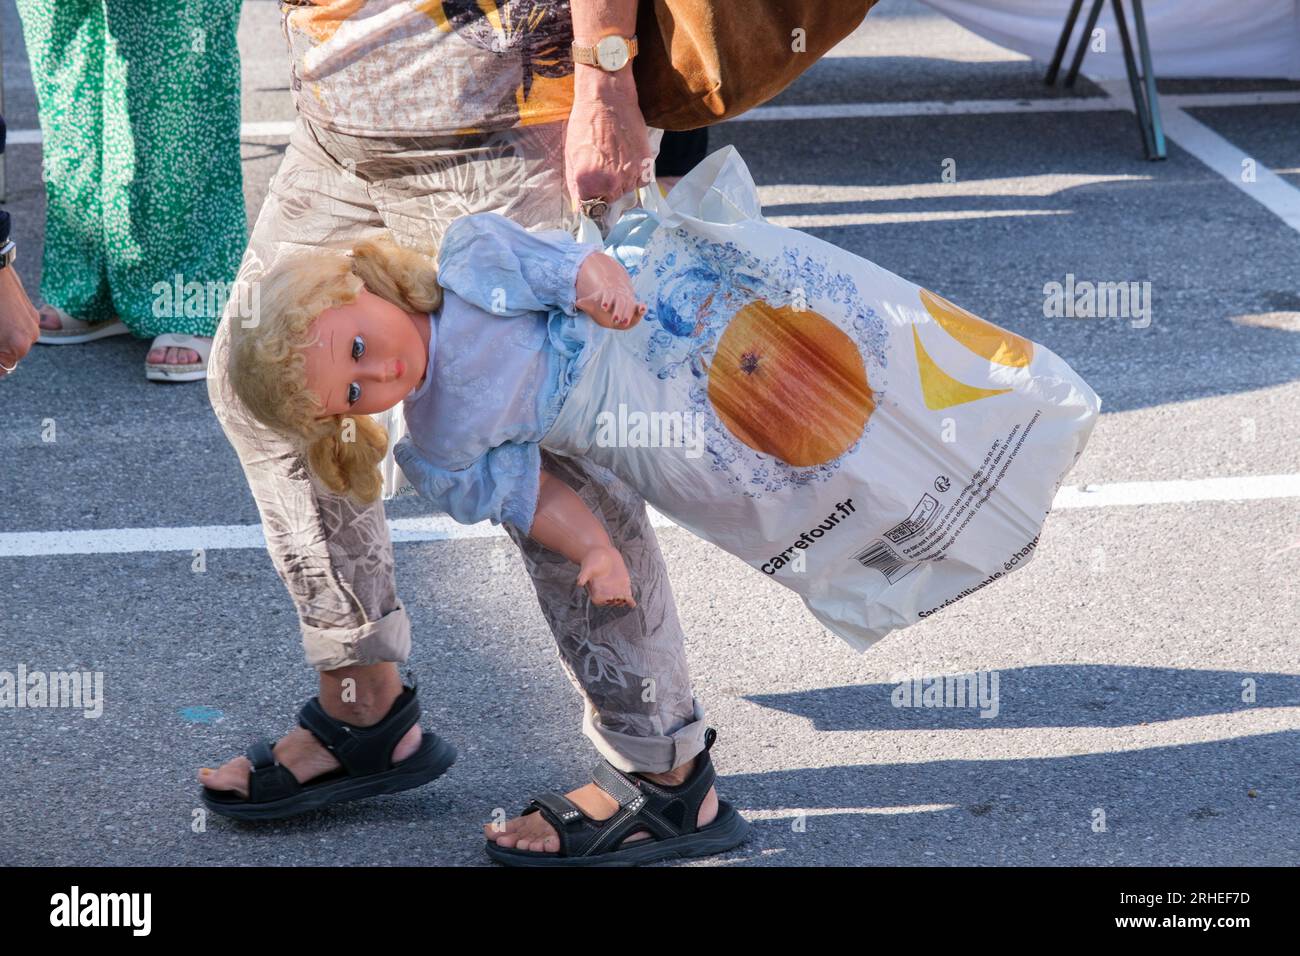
[(340, 338), (801, 433)]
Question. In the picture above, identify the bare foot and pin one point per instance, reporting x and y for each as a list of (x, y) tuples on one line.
[(532, 832), (171, 355), (49, 319), (303, 754)]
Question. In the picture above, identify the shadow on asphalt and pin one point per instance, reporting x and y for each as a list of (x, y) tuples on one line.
[(1062, 695)]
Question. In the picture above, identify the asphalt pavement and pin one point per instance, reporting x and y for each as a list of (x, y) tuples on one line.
[(1148, 658)]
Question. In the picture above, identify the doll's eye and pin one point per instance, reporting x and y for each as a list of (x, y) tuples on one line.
[(358, 350)]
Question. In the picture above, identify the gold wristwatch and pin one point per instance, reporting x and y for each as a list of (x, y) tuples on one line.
[(610, 53)]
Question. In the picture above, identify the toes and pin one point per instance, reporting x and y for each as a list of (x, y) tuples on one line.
[(550, 845), (171, 355), (541, 840), (506, 840), (232, 775), (531, 846), (524, 835), (505, 831)]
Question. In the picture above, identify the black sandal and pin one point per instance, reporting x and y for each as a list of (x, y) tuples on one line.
[(364, 753), (642, 805)]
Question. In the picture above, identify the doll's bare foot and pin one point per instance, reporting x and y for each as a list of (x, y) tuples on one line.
[(604, 291), (605, 577), (613, 310), (533, 833), (376, 687)]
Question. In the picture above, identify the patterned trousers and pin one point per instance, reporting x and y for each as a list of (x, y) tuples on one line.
[(336, 556)]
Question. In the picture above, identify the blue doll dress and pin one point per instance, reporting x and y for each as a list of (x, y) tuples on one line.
[(506, 346)]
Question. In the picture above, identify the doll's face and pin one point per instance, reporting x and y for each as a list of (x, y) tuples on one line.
[(368, 356)]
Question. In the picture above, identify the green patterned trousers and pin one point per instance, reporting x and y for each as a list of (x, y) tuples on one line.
[(139, 107)]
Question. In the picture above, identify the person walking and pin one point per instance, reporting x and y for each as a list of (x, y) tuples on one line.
[(145, 223)]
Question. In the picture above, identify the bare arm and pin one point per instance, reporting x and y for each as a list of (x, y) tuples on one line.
[(566, 525), (607, 149)]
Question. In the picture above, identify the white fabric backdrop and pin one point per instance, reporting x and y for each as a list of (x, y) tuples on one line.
[(1247, 38)]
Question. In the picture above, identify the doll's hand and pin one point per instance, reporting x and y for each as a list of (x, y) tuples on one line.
[(605, 577), (604, 291)]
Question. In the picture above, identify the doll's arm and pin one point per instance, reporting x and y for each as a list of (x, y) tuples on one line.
[(566, 525), (503, 268)]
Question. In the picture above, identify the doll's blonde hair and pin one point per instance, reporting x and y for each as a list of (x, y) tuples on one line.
[(267, 367)]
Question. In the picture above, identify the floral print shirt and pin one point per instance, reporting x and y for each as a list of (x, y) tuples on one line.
[(430, 67)]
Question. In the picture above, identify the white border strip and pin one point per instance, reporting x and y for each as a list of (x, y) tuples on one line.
[(32, 544)]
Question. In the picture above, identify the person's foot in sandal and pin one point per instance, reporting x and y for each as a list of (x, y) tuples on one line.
[(600, 824), (178, 358), (342, 751), (59, 328), (531, 833)]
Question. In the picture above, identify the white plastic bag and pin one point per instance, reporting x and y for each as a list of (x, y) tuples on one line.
[(850, 435)]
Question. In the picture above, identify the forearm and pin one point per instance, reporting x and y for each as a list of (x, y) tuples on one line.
[(563, 523), (593, 19)]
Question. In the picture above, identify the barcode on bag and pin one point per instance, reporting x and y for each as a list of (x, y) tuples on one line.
[(884, 559)]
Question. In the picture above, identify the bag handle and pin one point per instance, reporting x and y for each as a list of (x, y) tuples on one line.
[(719, 189), (647, 196)]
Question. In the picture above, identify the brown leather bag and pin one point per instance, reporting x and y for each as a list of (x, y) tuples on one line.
[(700, 62)]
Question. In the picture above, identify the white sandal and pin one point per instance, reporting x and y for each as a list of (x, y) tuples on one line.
[(193, 372), (74, 331)]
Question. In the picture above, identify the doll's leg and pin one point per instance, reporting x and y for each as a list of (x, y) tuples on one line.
[(334, 555), (628, 663)]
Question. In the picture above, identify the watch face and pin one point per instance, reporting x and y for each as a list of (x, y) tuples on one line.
[(611, 52)]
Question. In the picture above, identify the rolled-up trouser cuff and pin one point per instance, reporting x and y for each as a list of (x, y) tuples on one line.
[(647, 754), (387, 639)]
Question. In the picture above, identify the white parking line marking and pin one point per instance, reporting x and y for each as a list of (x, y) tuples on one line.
[(814, 219), (1033, 185), (1247, 488), (280, 129), (1264, 185), (785, 813), (31, 544)]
